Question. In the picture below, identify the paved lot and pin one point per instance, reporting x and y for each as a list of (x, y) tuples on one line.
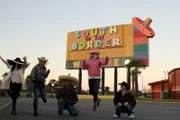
[(143, 111), (4, 102)]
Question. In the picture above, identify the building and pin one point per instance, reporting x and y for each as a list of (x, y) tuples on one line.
[(169, 88), (159, 89), (174, 83)]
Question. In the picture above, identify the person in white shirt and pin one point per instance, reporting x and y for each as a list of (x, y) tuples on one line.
[(14, 80)]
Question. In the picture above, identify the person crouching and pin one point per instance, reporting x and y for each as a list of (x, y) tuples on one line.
[(67, 96), (124, 101)]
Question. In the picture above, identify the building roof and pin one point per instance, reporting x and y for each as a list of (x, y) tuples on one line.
[(157, 82), (173, 70)]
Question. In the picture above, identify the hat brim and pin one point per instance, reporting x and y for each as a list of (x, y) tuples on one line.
[(12, 62), (126, 85), (63, 78), (42, 60), (95, 53)]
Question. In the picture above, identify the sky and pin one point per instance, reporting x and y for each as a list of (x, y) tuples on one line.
[(36, 28)]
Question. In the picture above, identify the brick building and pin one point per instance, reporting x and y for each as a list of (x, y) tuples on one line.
[(159, 89), (174, 83), (169, 88)]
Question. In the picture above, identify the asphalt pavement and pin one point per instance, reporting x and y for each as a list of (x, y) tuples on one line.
[(48, 111)]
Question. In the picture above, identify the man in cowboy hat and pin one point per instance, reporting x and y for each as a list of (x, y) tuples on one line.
[(93, 65), (67, 96), (38, 75), (124, 101)]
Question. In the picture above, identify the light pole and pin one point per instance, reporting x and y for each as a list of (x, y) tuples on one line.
[(165, 72), (142, 74), (52, 88), (127, 62)]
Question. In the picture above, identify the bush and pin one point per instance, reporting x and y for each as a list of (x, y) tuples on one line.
[(2, 93)]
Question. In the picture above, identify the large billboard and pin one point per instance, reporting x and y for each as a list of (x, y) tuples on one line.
[(118, 42)]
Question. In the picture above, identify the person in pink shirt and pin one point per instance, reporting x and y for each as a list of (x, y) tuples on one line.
[(93, 66)]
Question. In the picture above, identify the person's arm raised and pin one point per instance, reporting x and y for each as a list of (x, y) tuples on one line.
[(4, 61)]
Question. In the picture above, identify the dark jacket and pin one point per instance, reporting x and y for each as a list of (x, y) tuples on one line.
[(38, 74), (127, 97), (68, 95)]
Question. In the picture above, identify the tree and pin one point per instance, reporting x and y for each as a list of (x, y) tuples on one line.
[(107, 90), (29, 84), (136, 65), (5, 74), (52, 82)]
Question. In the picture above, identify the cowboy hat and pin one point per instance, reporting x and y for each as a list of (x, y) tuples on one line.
[(42, 59), (16, 61), (63, 78), (124, 84), (94, 52)]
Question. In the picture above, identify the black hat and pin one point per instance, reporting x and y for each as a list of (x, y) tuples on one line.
[(16, 61), (124, 84)]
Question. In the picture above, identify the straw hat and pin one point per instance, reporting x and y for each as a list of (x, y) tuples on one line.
[(63, 78), (16, 61), (42, 59), (94, 52)]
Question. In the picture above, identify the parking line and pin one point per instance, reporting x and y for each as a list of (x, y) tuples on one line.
[(5, 106)]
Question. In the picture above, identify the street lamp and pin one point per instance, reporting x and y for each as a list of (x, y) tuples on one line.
[(127, 62), (52, 88), (142, 74), (165, 72)]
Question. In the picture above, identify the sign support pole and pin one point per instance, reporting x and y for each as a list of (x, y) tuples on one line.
[(80, 82), (103, 81), (115, 79)]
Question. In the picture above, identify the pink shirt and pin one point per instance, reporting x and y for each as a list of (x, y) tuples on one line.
[(93, 66)]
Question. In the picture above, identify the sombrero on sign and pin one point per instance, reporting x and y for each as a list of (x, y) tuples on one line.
[(94, 52), (16, 61), (63, 78), (143, 26)]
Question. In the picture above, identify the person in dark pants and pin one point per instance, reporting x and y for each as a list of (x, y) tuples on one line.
[(38, 75), (67, 96), (124, 101), (14, 80), (93, 65)]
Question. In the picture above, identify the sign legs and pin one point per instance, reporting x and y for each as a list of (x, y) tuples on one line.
[(115, 79), (80, 82), (103, 81)]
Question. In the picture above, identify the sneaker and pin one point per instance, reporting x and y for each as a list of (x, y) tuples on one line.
[(35, 114), (131, 116), (115, 116)]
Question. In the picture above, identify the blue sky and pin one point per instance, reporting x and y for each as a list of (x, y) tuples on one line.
[(35, 28)]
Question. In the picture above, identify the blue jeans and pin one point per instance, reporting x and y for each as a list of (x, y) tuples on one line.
[(42, 91), (62, 105), (128, 109)]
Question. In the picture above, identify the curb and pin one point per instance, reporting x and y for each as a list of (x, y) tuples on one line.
[(111, 97), (5, 106)]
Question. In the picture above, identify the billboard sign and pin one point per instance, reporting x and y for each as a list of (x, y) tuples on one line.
[(118, 42)]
